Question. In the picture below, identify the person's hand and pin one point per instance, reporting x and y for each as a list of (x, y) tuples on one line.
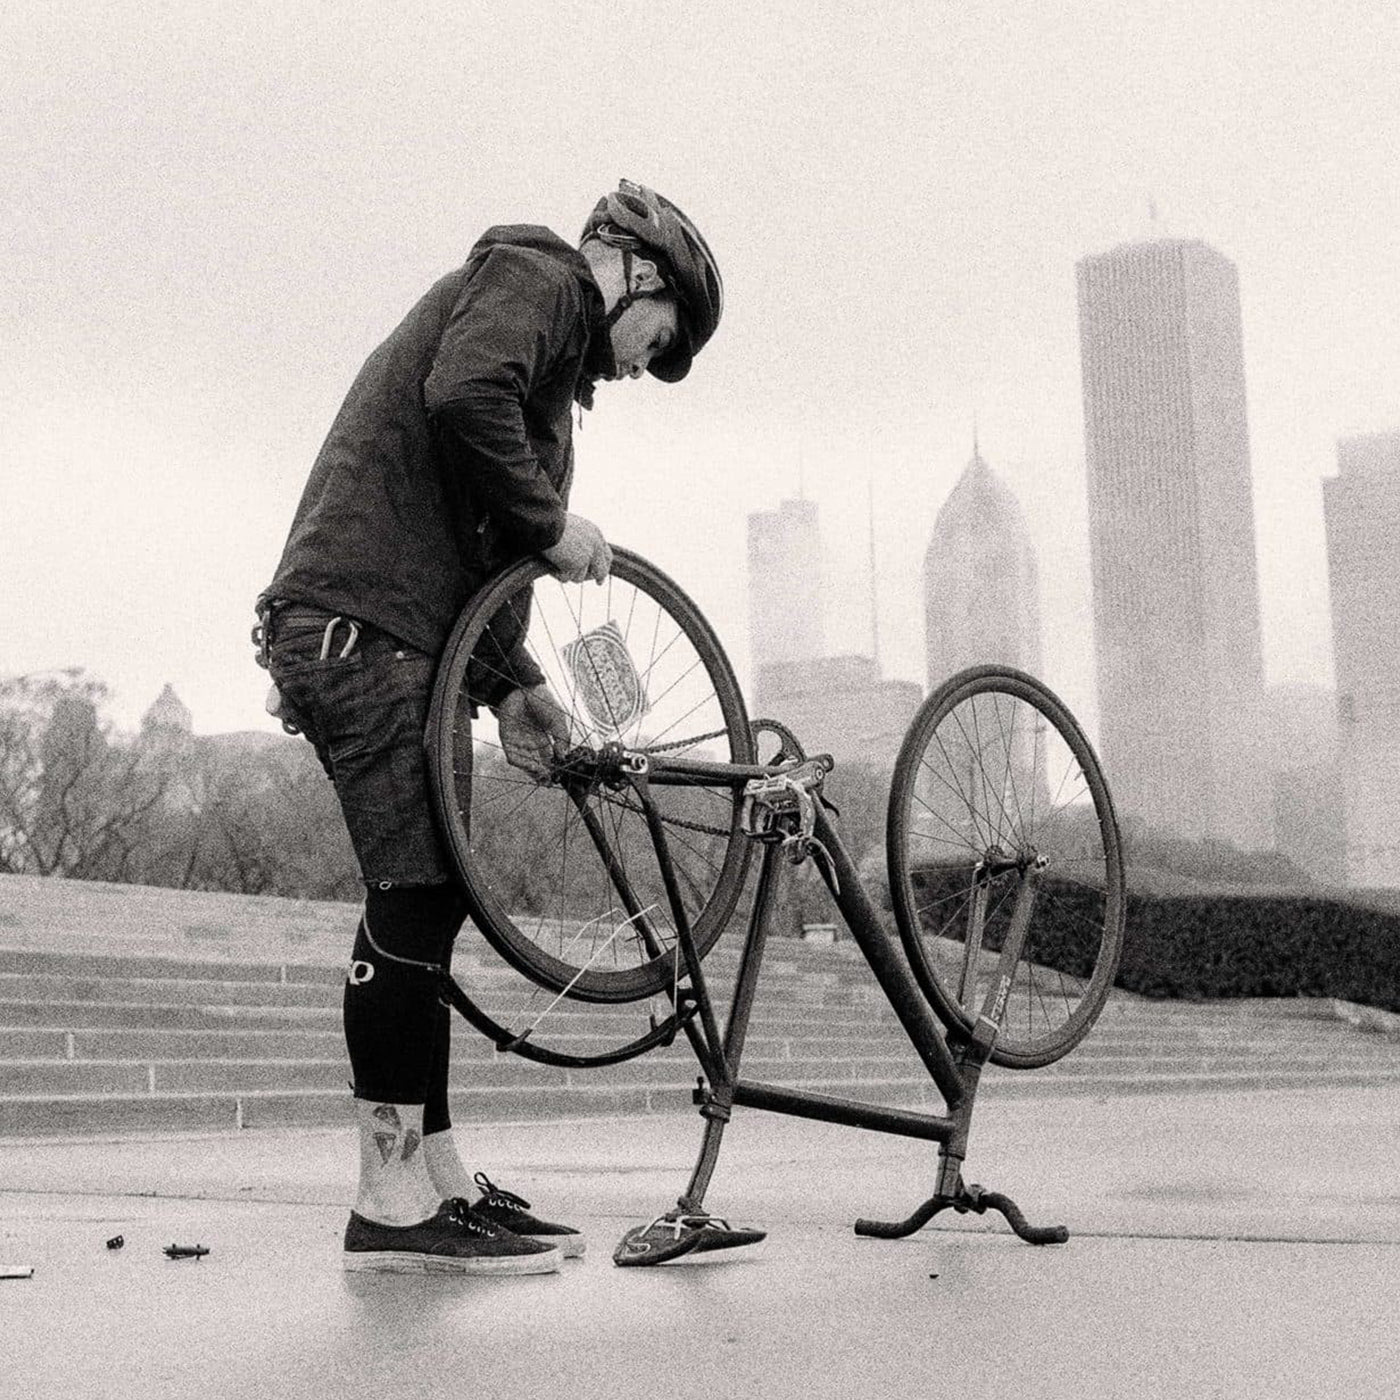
[(581, 553), (533, 729)]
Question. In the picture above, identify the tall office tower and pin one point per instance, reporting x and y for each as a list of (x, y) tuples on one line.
[(1171, 526), (1361, 505), (786, 585), (834, 704), (981, 605), (981, 586)]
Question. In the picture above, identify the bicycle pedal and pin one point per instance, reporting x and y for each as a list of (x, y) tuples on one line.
[(644, 1244), (673, 1236)]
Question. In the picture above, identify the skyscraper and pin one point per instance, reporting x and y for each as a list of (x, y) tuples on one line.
[(1361, 505), (834, 704), (786, 585), (981, 588), (1176, 591)]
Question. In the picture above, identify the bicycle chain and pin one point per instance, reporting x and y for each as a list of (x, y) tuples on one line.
[(682, 743), (674, 821), (627, 806)]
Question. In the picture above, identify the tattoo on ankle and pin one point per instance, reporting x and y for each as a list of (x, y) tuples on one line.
[(387, 1141), (410, 1144)]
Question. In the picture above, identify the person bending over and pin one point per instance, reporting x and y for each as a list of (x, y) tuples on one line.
[(452, 456)]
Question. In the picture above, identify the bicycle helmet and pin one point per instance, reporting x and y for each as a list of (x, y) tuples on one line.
[(635, 217)]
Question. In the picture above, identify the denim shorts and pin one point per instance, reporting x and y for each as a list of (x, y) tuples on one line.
[(361, 697)]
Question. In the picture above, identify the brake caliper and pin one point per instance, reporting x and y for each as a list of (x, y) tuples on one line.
[(782, 809)]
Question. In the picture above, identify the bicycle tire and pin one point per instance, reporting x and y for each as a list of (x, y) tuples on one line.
[(953, 802), (536, 884)]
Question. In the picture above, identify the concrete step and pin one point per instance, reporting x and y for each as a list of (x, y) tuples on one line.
[(38, 1077), (598, 1033), (16, 962), (81, 1015), (113, 1031), (158, 1076), (474, 962), (57, 1014), (596, 1093), (164, 991), (91, 1115), (467, 1046)]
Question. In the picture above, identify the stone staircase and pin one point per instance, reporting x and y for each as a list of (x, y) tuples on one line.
[(150, 1031)]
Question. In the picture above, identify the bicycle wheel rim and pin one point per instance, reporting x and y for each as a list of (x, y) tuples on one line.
[(537, 885), (994, 762)]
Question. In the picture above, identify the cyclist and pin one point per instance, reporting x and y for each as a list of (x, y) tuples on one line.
[(451, 456)]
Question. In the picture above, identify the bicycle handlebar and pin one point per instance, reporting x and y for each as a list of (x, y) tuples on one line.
[(970, 1199)]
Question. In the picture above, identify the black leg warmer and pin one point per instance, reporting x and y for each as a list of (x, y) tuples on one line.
[(391, 1008), (437, 1117)]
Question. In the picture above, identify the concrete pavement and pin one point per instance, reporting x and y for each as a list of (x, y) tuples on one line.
[(1234, 1245)]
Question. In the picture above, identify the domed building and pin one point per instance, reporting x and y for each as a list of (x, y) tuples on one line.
[(168, 716), (981, 585)]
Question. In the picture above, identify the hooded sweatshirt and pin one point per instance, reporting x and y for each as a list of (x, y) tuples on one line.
[(453, 451)]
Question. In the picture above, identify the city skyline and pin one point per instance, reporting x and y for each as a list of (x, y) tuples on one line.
[(215, 221), (851, 628)]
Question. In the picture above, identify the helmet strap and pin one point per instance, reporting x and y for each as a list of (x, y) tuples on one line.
[(628, 295)]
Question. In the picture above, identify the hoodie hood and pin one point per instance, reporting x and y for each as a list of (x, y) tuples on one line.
[(599, 361)]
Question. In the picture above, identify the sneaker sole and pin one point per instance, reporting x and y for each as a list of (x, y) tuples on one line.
[(392, 1261)]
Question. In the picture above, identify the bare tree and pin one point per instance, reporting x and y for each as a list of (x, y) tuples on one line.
[(252, 814), (72, 801), (266, 822)]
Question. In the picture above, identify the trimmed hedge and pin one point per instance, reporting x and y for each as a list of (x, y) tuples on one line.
[(1201, 944), (1260, 945)]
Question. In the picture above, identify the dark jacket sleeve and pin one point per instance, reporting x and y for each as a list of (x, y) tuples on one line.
[(500, 662), (515, 318)]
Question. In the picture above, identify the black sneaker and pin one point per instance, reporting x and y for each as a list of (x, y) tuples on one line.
[(454, 1241), (512, 1213), (678, 1233)]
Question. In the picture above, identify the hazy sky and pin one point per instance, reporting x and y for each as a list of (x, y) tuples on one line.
[(213, 214)]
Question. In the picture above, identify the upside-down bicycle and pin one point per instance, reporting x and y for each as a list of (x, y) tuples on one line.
[(610, 881)]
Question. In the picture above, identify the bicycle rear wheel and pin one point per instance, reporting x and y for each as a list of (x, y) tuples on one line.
[(565, 884), (995, 779)]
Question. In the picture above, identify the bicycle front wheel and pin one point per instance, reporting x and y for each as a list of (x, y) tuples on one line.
[(564, 882), (996, 790)]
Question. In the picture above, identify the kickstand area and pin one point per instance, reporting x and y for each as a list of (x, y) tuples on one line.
[(973, 1200), (677, 1233)]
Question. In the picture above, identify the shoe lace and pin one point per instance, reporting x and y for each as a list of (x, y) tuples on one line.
[(495, 1196), (462, 1214)]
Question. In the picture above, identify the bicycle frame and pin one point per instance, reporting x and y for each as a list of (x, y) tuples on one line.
[(953, 1059)]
